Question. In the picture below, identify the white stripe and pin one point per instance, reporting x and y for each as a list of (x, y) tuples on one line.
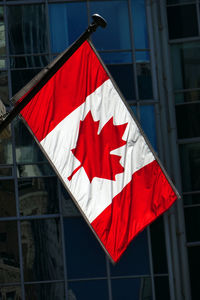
[(94, 197)]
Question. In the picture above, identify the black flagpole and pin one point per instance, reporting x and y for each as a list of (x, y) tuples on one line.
[(43, 77)]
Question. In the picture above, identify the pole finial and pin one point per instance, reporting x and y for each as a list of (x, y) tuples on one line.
[(99, 20)]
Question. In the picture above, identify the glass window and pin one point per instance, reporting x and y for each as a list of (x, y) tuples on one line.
[(90, 290), (190, 164), (158, 246), (5, 146), (187, 96), (31, 61), (185, 65), (38, 196), (162, 288), (188, 120), (67, 22), (4, 172), (180, 1), (10, 292), (191, 199), (9, 253), (116, 35), (27, 150), (192, 222), (194, 265), (50, 291), (139, 24), (116, 57), (42, 250), (4, 87), (144, 80), (27, 29), (2, 32), (68, 207), (137, 288), (7, 198), (85, 257), (147, 118), (142, 56), (182, 21), (19, 78), (135, 261), (120, 74)]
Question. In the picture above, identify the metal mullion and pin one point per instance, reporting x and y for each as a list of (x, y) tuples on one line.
[(191, 205), (43, 282), (151, 263), (108, 278), (189, 141), (14, 159), (133, 50), (63, 238), (198, 16), (184, 40), (193, 244)]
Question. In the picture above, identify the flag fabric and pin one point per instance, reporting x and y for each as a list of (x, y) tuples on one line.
[(96, 147)]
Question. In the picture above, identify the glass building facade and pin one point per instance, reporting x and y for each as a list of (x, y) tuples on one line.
[(47, 251)]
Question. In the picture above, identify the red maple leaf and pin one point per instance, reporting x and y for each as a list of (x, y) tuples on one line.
[(93, 149)]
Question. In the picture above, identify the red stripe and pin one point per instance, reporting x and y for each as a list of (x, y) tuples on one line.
[(147, 196), (80, 76)]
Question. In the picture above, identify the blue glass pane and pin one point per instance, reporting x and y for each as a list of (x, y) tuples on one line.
[(147, 118), (139, 24), (89, 290), (116, 35), (134, 109), (142, 56), (137, 289), (67, 22), (85, 257), (116, 57), (123, 75), (135, 261), (144, 81)]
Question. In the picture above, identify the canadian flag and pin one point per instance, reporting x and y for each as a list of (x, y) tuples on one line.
[(99, 152)]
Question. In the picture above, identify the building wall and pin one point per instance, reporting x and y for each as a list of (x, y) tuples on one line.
[(46, 249)]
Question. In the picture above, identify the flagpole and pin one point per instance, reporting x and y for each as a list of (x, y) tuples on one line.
[(50, 70)]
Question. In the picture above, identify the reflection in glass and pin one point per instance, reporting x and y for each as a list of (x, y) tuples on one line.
[(90, 290), (38, 196), (85, 257), (135, 261), (27, 151), (120, 74), (162, 288), (42, 250), (51, 291), (192, 222), (4, 172), (188, 120), (5, 146), (194, 266), (34, 170), (67, 20), (187, 96), (2, 32), (185, 66), (139, 24), (117, 34), (31, 61), (158, 246), (9, 254), (4, 87), (68, 207), (10, 293), (137, 289), (20, 78), (177, 16), (27, 29), (144, 80), (7, 198), (190, 165)]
